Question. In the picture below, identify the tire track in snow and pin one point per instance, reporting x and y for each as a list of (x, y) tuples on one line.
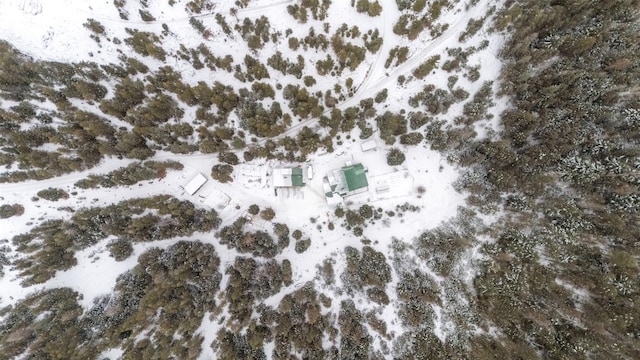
[(367, 89)]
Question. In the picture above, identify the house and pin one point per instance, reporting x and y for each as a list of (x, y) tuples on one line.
[(288, 177), (347, 181), (195, 184)]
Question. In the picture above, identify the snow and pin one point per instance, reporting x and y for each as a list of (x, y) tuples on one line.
[(112, 354), (216, 199), (96, 272), (53, 30), (368, 145)]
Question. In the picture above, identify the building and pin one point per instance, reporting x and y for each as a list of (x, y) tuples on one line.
[(368, 145), (347, 181), (288, 177), (195, 184), (216, 199)]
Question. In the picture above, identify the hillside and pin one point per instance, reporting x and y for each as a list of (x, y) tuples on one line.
[(319, 179)]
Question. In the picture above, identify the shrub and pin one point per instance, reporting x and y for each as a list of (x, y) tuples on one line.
[(254, 209), (222, 173), (120, 248), (413, 138), (267, 214), (7, 211), (144, 43), (368, 268), (228, 157), (94, 26), (302, 245), (381, 96), (353, 218), (53, 194), (395, 157), (426, 67), (371, 8), (146, 15), (366, 211)]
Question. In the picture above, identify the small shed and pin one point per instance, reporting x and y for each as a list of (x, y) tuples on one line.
[(195, 184), (368, 145), (217, 200)]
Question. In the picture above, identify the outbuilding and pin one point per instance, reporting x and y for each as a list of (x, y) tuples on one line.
[(195, 184), (288, 177)]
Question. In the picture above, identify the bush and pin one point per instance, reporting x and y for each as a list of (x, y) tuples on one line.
[(368, 268), (144, 43), (222, 173), (425, 68), (254, 209), (413, 138), (417, 120), (53, 194), (395, 157), (257, 243), (366, 211), (7, 211), (94, 26), (267, 214), (228, 157), (302, 245), (120, 248), (371, 8)]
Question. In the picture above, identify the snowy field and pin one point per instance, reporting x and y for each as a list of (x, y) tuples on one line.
[(53, 30)]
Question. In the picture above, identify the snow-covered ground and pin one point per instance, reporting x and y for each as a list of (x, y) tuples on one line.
[(53, 30)]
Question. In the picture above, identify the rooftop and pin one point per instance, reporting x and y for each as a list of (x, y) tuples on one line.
[(355, 176), (349, 180), (288, 177), (195, 184)]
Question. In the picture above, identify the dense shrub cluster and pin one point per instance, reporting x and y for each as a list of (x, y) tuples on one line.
[(9, 210), (53, 194), (50, 246), (258, 243), (367, 271), (182, 280), (129, 175), (557, 168)]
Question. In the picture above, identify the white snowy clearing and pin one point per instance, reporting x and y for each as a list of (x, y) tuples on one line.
[(53, 30)]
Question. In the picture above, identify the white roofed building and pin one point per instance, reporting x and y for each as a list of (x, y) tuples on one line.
[(195, 184)]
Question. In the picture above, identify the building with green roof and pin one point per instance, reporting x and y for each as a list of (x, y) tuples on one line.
[(355, 177), (288, 177), (350, 180)]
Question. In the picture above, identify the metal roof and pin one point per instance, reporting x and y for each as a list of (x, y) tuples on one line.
[(355, 176), (287, 177)]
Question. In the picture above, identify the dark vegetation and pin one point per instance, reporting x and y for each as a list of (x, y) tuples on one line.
[(368, 272), (418, 16), (50, 246), (559, 277), (181, 279), (53, 194), (564, 170), (129, 175), (9, 210), (258, 243)]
